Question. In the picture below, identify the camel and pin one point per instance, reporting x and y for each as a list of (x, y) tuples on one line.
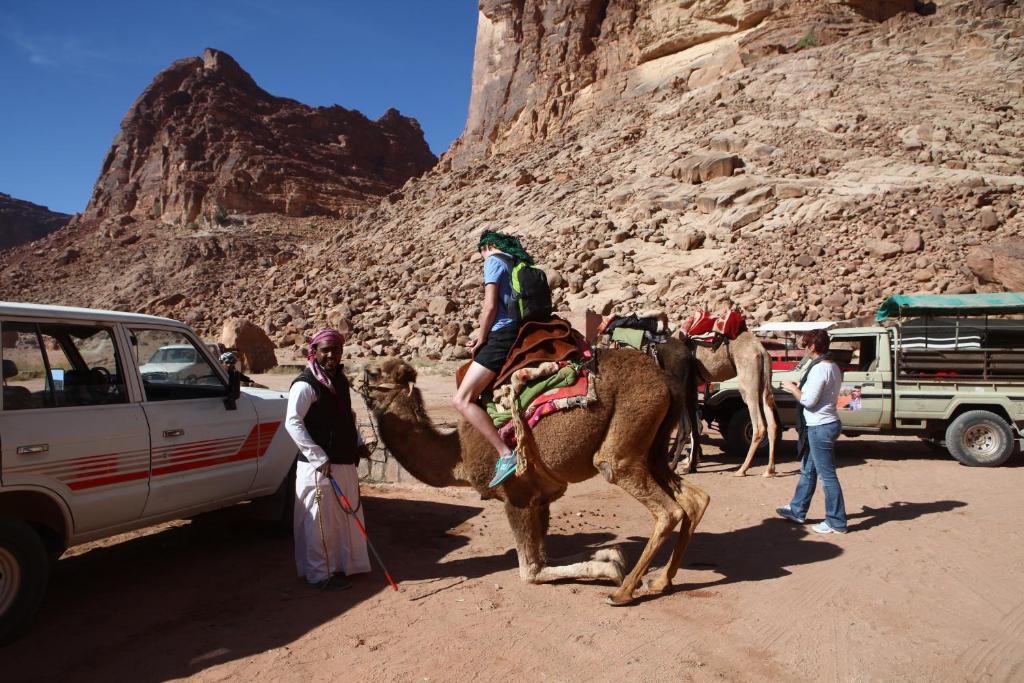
[(623, 436), (745, 358)]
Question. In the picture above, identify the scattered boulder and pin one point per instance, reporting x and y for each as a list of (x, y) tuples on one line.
[(883, 248)]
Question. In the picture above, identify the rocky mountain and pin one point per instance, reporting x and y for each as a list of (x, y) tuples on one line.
[(804, 159), (22, 221), (204, 141)]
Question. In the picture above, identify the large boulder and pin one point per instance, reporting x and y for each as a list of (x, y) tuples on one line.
[(253, 346), (1001, 263)]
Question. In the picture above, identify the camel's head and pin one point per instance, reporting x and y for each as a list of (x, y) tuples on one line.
[(389, 380)]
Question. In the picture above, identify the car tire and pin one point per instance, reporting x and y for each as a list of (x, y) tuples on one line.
[(979, 438), (24, 574), (278, 509), (738, 433)]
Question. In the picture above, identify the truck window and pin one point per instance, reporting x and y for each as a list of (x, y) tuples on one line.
[(56, 365), (855, 354), (173, 368)]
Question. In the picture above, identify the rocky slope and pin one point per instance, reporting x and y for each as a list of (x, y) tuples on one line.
[(204, 141), (22, 221), (850, 156)]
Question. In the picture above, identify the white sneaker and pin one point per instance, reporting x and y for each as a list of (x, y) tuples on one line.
[(823, 528)]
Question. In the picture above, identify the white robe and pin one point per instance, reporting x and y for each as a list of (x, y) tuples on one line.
[(340, 547)]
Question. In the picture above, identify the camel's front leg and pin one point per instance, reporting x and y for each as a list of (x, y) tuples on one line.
[(529, 525), (607, 563)]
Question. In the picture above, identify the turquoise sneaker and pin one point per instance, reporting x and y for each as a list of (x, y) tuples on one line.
[(505, 466)]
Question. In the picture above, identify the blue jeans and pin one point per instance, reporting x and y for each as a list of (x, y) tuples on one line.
[(819, 462)]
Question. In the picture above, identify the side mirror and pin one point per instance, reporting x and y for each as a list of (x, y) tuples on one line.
[(234, 389)]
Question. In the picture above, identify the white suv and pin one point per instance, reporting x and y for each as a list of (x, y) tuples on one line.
[(93, 444)]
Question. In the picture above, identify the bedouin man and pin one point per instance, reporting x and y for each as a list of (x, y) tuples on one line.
[(328, 543)]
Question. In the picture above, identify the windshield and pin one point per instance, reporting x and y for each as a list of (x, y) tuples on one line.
[(166, 355)]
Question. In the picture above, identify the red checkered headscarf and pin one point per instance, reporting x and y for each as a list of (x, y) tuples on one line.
[(314, 367)]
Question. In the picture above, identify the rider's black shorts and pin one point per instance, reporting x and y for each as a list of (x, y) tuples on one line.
[(494, 352)]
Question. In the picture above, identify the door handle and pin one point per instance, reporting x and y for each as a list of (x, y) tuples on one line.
[(174, 432), (33, 449)]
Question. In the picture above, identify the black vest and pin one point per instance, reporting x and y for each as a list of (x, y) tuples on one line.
[(330, 421)]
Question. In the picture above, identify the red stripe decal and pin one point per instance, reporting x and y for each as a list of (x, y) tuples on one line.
[(115, 479), (268, 430)]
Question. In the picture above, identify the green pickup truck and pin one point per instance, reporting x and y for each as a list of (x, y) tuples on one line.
[(948, 369)]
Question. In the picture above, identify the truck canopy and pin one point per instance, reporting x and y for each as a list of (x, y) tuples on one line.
[(901, 305)]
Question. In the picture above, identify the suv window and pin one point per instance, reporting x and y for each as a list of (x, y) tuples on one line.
[(53, 365), (173, 368)]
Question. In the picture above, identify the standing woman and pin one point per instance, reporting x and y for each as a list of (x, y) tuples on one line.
[(819, 425), (492, 342)]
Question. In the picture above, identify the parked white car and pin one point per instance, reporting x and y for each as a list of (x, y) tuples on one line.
[(92, 443), (176, 363)]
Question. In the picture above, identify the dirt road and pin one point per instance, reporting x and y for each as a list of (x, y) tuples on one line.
[(927, 586)]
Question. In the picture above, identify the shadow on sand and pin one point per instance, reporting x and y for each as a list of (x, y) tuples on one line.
[(217, 589), (221, 588)]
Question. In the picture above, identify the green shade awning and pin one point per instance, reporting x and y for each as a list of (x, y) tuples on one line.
[(951, 304)]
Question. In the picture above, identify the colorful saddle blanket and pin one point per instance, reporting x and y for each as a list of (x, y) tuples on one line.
[(539, 391)]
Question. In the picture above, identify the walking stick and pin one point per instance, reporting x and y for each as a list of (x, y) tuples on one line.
[(347, 507)]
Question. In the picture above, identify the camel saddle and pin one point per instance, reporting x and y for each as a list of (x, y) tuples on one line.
[(703, 327), (537, 341)]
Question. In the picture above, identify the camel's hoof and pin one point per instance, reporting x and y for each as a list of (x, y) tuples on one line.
[(659, 587), (739, 473), (769, 473), (613, 601)]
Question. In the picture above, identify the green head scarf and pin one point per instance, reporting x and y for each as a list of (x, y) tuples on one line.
[(506, 243)]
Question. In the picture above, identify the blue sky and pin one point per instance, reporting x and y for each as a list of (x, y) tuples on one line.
[(69, 70)]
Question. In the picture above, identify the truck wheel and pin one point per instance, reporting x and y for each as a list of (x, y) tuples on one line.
[(738, 434), (24, 572), (980, 439), (278, 509)]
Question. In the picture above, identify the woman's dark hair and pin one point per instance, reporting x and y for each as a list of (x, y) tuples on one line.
[(506, 243), (815, 339)]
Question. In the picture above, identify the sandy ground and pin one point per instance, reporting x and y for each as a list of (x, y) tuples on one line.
[(927, 586)]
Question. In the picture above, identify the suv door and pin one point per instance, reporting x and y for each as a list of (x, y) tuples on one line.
[(66, 423), (202, 452)]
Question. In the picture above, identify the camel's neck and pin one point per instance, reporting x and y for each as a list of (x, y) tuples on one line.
[(431, 457)]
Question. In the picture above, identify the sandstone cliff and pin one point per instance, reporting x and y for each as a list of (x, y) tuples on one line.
[(22, 221), (204, 141), (541, 64)]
